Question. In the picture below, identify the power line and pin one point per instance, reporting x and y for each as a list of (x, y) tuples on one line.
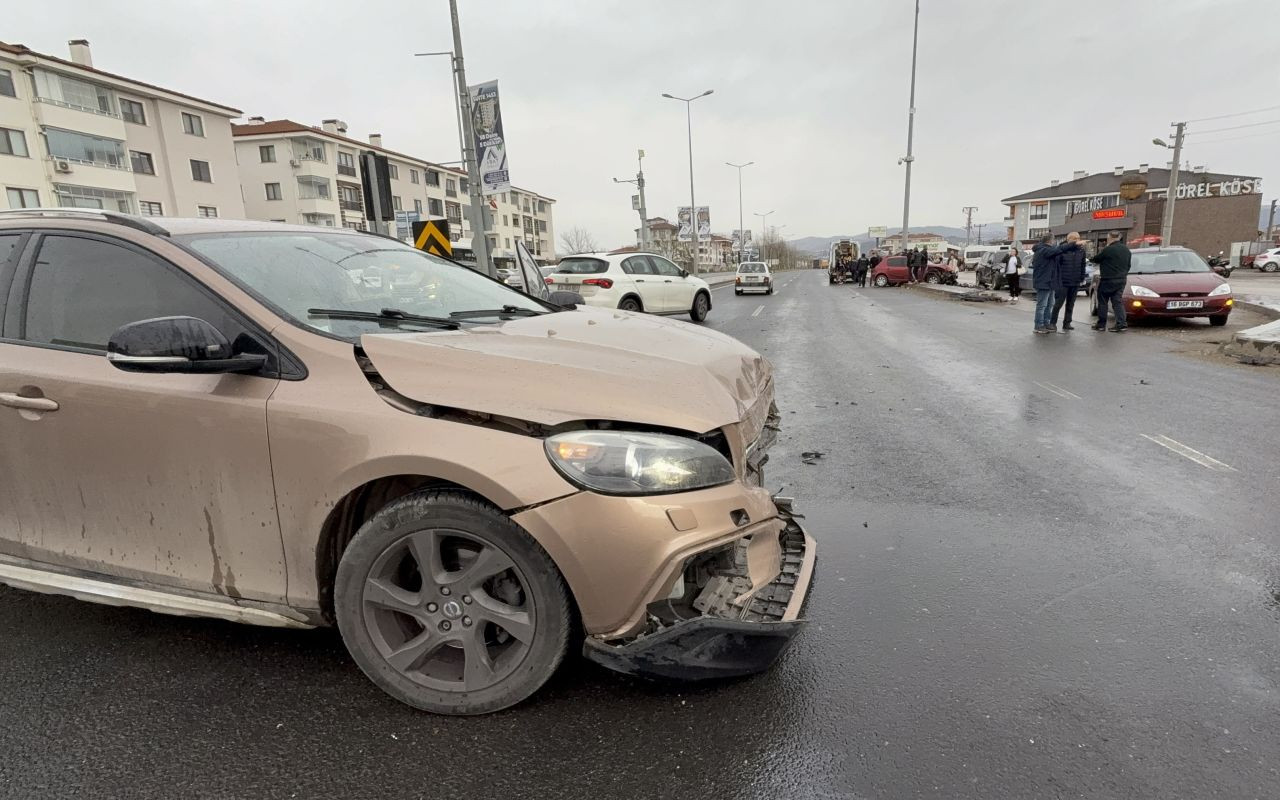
[(1238, 138), (1237, 114), (1238, 127)]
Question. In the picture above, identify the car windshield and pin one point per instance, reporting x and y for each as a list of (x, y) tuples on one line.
[(295, 272), (750, 267), (1167, 261), (582, 266)]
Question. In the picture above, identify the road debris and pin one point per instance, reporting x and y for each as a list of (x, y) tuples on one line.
[(811, 456)]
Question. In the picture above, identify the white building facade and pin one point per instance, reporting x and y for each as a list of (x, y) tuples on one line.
[(73, 135), (309, 175)]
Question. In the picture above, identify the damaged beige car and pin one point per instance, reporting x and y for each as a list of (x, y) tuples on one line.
[(301, 427)]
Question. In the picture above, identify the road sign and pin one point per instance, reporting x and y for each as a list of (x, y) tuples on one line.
[(878, 232), (432, 235)]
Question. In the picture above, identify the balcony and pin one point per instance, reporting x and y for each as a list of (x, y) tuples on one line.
[(88, 173), (351, 205)]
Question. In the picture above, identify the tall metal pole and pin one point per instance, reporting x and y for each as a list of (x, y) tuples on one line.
[(911, 123), (968, 223), (742, 233), (644, 212), (693, 207), (457, 102), (1166, 225), (479, 212), (1271, 221)]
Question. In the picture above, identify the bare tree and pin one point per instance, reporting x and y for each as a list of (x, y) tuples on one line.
[(578, 240)]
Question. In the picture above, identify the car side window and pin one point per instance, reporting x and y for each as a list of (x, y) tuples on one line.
[(7, 243), (81, 290), (665, 267), (636, 265), (897, 261)]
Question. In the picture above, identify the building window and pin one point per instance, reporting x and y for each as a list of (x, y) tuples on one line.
[(309, 150), (435, 207), (150, 208), (132, 111), (542, 226), (69, 196), (417, 206), (208, 212), (349, 198), (346, 163), (325, 220), (1039, 211), (453, 212), (395, 202), (413, 176), (273, 191), (313, 188), (504, 197), (267, 153), (200, 171), (508, 242), (451, 188), (463, 185), (84, 148), (1037, 233), (192, 124), (6, 84), (393, 172), (73, 93), (542, 207), (505, 223), (23, 198), (355, 226), (433, 178), (142, 163), (12, 143)]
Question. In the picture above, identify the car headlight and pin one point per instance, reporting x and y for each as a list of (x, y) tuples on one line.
[(1141, 291), (634, 463), (1221, 290)]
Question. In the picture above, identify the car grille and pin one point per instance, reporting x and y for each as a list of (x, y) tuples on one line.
[(1182, 295)]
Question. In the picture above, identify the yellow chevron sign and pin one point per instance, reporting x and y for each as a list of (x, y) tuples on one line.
[(432, 235)]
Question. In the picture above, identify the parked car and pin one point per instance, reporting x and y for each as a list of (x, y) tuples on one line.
[(893, 270), (1267, 260), (209, 417), (1173, 282), (633, 282), (990, 270), (753, 276)]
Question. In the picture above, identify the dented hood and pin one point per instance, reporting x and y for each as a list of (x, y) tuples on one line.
[(577, 365)]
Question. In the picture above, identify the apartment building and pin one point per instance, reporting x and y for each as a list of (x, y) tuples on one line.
[(74, 135), (310, 175)]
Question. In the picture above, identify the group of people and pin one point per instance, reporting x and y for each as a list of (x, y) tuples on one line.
[(859, 268), (1058, 272)]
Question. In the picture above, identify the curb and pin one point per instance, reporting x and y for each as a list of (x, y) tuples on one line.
[(1268, 311), (1259, 345)]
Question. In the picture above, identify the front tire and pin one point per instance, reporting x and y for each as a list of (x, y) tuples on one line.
[(701, 305), (933, 278), (449, 606)]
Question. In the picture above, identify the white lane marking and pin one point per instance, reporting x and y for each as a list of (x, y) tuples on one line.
[(1187, 452), (756, 313), (1058, 390)]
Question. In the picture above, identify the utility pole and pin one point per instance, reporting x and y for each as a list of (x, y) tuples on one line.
[(479, 211), (742, 234), (911, 123), (981, 225), (644, 213), (693, 207), (968, 222), (1166, 226), (1271, 222)]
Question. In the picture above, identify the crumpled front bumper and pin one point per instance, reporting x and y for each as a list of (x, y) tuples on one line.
[(732, 640)]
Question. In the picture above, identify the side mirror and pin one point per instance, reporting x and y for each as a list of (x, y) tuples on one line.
[(684, 273), (177, 344), (565, 299)]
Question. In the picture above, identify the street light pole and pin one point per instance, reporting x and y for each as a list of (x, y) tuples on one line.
[(693, 206), (911, 123), (764, 227), (457, 103), (644, 213), (1166, 225), (742, 233), (479, 212)]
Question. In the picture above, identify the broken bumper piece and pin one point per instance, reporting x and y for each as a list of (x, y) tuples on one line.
[(729, 639)]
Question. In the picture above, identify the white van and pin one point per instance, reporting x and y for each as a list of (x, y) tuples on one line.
[(973, 254)]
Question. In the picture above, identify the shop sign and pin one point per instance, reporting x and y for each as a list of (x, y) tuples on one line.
[(1087, 204), (1109, 213), (1229, 188)]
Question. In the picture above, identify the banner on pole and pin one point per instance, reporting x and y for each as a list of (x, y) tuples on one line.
[(491, 148), (704, 223)]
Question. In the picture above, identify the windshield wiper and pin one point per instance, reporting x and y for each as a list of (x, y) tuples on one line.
[(385, 315), (505, 311)]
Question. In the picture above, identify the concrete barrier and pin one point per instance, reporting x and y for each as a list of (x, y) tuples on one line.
[(1257, 345)]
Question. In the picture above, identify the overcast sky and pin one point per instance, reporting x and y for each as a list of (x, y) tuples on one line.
[(1010, 93)]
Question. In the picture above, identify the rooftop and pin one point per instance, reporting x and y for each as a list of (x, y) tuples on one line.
[(1157, 178), (21, 50)]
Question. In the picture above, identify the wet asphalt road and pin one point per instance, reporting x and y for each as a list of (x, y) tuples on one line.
[(1019, 595)]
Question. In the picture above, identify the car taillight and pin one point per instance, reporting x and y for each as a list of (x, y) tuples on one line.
[(603, 283), (550, 281)]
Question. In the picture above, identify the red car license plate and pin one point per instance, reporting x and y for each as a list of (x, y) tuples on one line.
[(1172, 304)]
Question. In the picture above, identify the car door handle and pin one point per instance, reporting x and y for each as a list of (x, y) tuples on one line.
[(639, 280), (28, 403), (668, 280)]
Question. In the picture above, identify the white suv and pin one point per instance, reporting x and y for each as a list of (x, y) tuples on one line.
[(633, 282), (753, 276)]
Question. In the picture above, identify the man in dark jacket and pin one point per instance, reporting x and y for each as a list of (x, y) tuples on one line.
[(1044, 275), (1113, 273), (1070, 276)]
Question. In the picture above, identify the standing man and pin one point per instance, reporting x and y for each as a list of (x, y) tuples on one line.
[(1070, 276), (860, 273), (1113, 273), (875, 258), (1044, 275), (1011, 271), (913, 262)]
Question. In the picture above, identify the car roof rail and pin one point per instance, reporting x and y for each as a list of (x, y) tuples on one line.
[(128, 220)]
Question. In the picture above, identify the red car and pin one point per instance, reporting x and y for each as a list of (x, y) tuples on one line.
[(1173, 282), (893, 270)]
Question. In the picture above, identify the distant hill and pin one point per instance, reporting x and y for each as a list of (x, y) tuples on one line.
[(819, 245)]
